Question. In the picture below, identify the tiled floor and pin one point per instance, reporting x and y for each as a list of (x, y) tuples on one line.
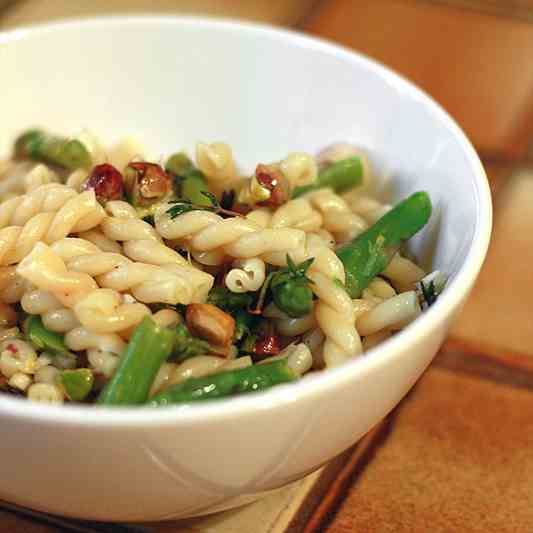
[(458, 458)]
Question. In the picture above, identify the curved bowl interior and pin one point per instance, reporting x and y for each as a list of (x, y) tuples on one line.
[(171, 82)]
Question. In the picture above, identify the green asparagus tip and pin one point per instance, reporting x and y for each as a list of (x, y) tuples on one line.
[(42, 338), (77, 384), (341, 177)]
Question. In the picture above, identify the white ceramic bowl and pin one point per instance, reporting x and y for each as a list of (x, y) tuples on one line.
[(171, 82)]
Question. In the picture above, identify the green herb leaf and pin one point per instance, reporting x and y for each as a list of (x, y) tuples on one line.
[(212, 198), (431, 286), (262, 294), (186, 345), (229, 301), (182, 206)]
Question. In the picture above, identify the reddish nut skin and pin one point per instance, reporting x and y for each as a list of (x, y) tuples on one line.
[(107, 182), (274, 181), (150, 180), (267, 345), (210, 323)]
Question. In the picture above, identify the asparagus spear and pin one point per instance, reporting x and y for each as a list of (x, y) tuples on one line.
[(77, 383), (244, 380), (369, 253), (341, 176), (185, 345), (41, 146), (42, 338), (149, 346), (191, 182)]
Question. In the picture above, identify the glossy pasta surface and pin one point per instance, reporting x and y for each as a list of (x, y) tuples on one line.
[(235, 273)]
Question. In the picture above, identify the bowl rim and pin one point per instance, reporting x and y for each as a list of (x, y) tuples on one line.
[(141, 416)]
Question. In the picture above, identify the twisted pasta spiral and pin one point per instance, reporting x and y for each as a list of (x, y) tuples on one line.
[(39, 175), (334, 311), (99, 310), (240, 238), (216, 162), (299, 168), (320, 209), (249, 275), (62, 214), (161, 265), (140, 241)]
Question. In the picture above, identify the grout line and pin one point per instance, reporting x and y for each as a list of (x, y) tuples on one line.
[(504, 368), (499, 8)]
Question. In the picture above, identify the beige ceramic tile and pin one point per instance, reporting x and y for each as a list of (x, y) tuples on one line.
[(475, 64), (499, 314), (458, 459)]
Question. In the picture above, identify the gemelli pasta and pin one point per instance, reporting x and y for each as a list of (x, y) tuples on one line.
[(124, 281)]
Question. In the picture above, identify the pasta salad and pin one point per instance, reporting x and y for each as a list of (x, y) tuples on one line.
[(126, 281)]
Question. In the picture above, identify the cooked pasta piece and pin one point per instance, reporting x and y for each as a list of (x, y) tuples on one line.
[(12, 175), (101, 241), (394, 313), (173, 282), (365, 206), (336, 214), (321, 209), (76, 179), (55, 316), (403, 273), (216, 161), (248, 275), (79, 213), (240, 238), (299, 214), (299, 168), (334, 311), (39, 175), (380, 288)]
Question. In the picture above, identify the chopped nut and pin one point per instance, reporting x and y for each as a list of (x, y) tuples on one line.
[(271, 178), (146, 183), (8, 317), (210, 323), (106, 181)]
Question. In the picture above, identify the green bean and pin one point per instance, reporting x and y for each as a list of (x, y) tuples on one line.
[(77, 383), (149, 346), (244, 380), (42, 338), (341, 176), (41, 146), (369, 253)]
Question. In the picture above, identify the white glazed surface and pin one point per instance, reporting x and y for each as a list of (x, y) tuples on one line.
[(171, 82)]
